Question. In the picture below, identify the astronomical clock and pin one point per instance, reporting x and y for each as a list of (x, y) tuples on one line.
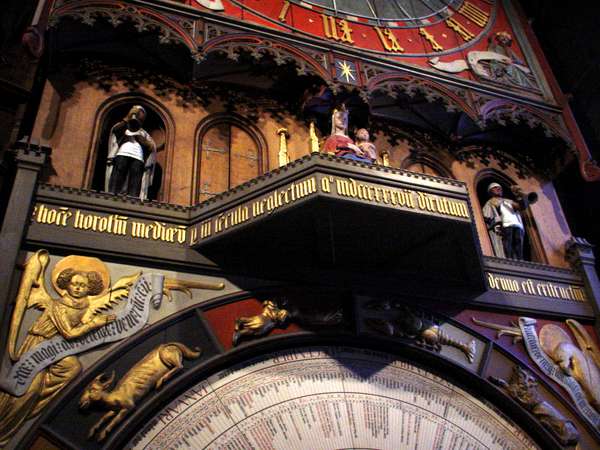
[(286, 224), (471, 39), (390, 28)]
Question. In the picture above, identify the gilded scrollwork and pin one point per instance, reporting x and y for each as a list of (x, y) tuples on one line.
[(575, 361), (83, 285), (154, 370)]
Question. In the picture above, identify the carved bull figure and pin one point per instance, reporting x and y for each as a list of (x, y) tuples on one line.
[(152, 371)]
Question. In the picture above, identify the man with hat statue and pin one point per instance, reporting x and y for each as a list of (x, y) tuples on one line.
[(504, 223)]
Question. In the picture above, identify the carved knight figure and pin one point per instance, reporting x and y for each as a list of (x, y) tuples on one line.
[(131, 156), (505, 225)]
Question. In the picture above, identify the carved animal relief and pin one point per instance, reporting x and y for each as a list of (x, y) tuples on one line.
[(577, 366), (261, 324), (155, 369), (523, 387), (423, 329)]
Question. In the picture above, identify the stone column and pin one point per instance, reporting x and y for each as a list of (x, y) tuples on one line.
[(28, 162), (580, 254)]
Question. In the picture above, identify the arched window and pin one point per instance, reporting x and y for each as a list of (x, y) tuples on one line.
[(155, 127), (426, 164), (230, 153), (532, 246)]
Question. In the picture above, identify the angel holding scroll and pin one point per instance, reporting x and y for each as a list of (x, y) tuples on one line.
[(46, 362), (83, 293)]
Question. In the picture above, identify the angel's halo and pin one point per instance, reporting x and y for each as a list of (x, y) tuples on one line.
[(81, 264)]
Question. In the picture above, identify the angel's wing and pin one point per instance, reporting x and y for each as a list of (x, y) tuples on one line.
[(587, 345), (119, 291), (32, 294)]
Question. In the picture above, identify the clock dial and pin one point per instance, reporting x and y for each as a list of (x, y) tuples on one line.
[(329, 398), (394, 28), (389, 12)]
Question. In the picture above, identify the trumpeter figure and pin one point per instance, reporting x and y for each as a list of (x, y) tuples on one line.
[(131, 156), (504, 221)]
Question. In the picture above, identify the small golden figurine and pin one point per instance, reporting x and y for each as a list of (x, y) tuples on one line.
[(154, 370), (261, 324), (313, 138), (283, 155)]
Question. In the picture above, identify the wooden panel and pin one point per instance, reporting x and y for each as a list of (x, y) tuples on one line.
[(244, 157), (214, 161), (422, 168)]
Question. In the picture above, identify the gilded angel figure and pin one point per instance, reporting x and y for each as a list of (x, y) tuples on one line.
[(83, 287), (45, 361)]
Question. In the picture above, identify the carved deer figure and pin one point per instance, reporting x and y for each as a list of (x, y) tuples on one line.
[(152, 371)]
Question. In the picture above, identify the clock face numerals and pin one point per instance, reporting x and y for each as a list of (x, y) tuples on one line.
[(386, 10), (328, 398), (388, 27), (338, 30)]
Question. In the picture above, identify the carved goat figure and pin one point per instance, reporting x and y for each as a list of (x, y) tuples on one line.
[(152, 371)]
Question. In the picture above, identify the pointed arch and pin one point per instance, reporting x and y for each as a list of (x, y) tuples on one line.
[(232, 44), (102, 115), (504, 112), (431, 90), (171, 28)]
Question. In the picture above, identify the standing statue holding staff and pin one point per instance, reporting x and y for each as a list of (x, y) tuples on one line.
[(504, 221), (131, 156)]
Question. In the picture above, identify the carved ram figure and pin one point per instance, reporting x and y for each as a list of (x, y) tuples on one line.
[(151, 372)]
